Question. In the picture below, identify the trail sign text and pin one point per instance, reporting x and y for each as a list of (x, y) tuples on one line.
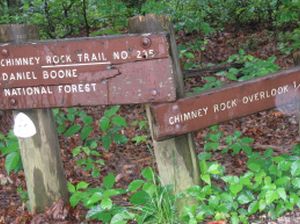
[(212, 107), (91, 71)]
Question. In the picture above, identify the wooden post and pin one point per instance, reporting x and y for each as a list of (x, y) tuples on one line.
[(40, 154), (175, 157), (296, 59)]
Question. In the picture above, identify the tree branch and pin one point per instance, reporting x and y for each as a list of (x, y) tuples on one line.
[(87, 26), (211, 69)]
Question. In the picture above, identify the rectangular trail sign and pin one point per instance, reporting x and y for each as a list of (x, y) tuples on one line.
[(121, 69), (193, 113)]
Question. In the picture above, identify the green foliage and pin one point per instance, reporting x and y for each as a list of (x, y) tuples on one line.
[(234, 143), (9, 147), (187, 15), (151, 203), (270, 185), (210, 83), (59, 19), (110, 125), (289, 41), (99, 201), (66, 123), (77, 122), (138, 139), (188, 52), (288, 13), (252, 67), (88, 159), (23, 195)]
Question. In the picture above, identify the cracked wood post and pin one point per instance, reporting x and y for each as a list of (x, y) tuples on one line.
[(176, 158), (296, 59), (40, 154)]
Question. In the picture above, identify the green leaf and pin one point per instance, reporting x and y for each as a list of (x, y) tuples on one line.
[(140, 198), (296, 182), (247, 140), (82, 185), (295, 168), (113, 192), (211, 146), (87, 119), (253, 207), (71, 187), (119, 121), (13, 162), (109, 181), (255, 167), (122, 217), (203, 166), (75, 199), (104, 124), (148, 174), (72, 130), (138, 139), (206, 178), (271, 196), (106, 204), (120, 139), (214, 169), (284, 165), (235, 188), (282, 193), (235, 218), (111, 111), (231, 179), (85, 132), (96, 197), (262, 205), (283, 181), (135, 185), (245, 197), (106, 141), (95, 212), (204, 156), (76, 151)]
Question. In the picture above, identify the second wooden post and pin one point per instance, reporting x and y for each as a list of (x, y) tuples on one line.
[(175, 157)]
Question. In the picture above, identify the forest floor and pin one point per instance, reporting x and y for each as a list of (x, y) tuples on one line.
[(268, 128)]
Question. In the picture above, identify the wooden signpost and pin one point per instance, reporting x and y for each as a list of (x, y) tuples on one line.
[(89, 71), (234, 101), (43, 168)]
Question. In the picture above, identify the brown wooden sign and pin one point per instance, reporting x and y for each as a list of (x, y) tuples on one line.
[(90, 71), (234, 101)]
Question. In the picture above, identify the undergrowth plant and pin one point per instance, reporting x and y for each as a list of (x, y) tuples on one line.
[(149, 201), (270, 184), (9, 148), (76, 122), (252, 67)]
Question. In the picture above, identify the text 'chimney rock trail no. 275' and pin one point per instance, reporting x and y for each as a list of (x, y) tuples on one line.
[(125, 69)]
